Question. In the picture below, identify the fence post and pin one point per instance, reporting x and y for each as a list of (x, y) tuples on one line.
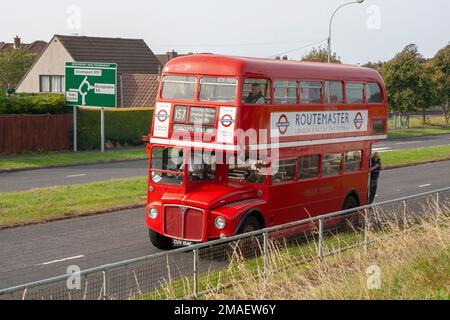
[(196, 289), (320, 249), (105, 284), (366, 231), (405, 221), (266, 254), (437, 207)]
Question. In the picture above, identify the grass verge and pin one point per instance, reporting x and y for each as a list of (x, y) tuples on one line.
[(403, 158), (417, 132), (65, 159), (412, 265), (42, 205)]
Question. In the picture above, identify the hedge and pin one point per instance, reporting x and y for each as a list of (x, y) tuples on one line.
[(33, 104), (122, 127)]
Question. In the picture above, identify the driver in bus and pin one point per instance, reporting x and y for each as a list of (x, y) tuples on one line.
[(255, 96)]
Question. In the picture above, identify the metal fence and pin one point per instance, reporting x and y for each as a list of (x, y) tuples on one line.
[(191, 272)]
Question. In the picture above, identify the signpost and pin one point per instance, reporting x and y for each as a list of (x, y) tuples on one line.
[(90, 84)]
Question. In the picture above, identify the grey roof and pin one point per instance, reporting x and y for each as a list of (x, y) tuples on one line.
[(132, 56)]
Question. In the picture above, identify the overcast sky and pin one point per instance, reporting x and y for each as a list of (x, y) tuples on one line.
[(372, 31)]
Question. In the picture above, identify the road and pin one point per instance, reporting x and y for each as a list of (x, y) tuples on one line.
[(41, 251), (42, 178), (26, 180)]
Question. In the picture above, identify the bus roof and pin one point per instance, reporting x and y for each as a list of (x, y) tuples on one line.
[(220, 65)]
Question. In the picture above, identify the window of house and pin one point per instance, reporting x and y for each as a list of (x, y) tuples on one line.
[(309, 167), (256, 91), (286, 171), (334, 92), (310, 92), (45, 84), (52, 84), (353, 161), (373, 93), (331, 165), (218, 89), (354, 92), (285, 92)]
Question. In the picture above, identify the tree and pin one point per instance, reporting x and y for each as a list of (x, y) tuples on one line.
[(374, 65), (320, 54), (440, 66), (408, 81), (13, 66)]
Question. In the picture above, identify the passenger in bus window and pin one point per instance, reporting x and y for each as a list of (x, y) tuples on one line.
[(184, 92), (255, 96)]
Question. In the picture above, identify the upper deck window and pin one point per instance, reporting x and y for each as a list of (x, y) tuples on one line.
[(374, 93), (218, 89), (256, 91), (310, 92), (285, 92), (334, 92), (355, 92), (179, 88)]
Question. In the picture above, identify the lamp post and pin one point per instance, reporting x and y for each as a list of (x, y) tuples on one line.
[(331, 21)]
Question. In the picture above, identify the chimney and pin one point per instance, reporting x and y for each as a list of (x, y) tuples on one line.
[(17, 42)]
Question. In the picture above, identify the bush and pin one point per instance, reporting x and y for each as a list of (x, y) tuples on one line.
[(122, 127), (33, 104)]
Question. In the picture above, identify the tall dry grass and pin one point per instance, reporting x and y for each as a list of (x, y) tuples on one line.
[(410, 250)]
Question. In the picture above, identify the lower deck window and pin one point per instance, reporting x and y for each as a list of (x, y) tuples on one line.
[(309, 167), (167, 166), (331, 165), (285, 172), (353, 161)]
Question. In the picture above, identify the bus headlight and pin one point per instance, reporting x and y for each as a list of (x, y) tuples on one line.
[(153, 213), (220, 223)]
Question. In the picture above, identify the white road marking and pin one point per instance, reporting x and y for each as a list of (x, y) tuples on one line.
[(409, 142), (61, 260), (76, 176), (381, 149), (425, 185)]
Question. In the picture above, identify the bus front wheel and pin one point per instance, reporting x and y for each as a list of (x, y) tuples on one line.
[(159, 241), (249, 247)]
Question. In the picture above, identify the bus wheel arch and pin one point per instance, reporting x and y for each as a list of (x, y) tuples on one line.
[(251, 215), (352, 221), (159, 241), (351, 194)]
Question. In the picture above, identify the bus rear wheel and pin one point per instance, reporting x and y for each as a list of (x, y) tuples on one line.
[(352, 220), (159, 241)]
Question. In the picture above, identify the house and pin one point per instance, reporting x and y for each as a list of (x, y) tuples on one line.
[(35, 47), (137, 67), (166, 57)]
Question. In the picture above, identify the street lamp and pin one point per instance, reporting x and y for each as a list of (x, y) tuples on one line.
[(331, 21)]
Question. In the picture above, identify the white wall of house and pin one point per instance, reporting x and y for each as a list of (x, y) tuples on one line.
[(50, 63)]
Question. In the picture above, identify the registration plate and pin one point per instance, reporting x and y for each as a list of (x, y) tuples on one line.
[(182, 243)]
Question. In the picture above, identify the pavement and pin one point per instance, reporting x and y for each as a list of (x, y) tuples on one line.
[(41, 251), (30, 179)]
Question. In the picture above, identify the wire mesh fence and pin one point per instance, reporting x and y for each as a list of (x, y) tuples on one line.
[(188, 273)]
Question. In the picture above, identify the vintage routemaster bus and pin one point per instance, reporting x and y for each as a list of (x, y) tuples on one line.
[(238, 144)]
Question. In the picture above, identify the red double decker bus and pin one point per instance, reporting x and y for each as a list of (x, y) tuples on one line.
[(239, 144)]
